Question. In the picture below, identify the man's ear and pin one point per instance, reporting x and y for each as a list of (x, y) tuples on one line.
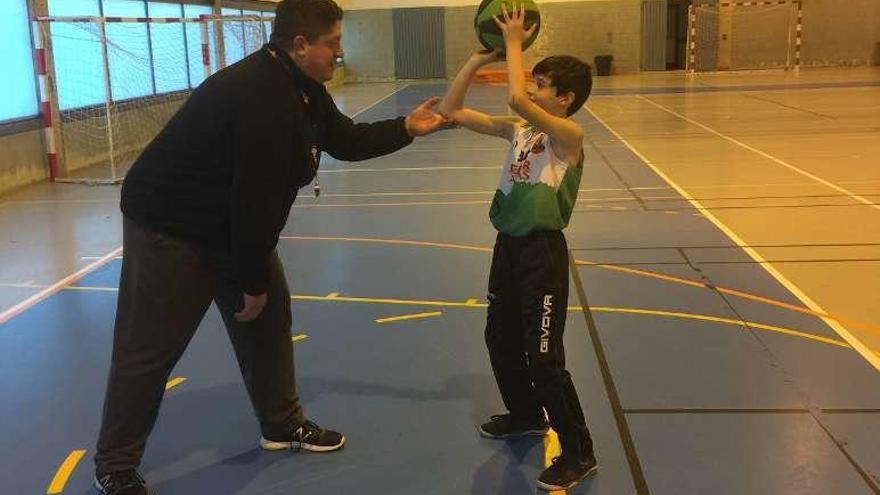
[(299, 44)]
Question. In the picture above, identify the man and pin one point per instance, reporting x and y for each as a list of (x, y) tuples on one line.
[(203, 207)]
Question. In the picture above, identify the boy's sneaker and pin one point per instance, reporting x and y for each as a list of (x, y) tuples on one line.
[(309, 437), (564, 474), (505, 425), (121, 483)]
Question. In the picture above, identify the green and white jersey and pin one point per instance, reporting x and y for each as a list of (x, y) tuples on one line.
[(537, 190)]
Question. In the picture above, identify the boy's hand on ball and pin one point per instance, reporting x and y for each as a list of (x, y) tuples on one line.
[(512, 23)]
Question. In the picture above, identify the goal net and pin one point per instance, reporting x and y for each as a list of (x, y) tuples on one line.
[(744, 35), (116, 82)]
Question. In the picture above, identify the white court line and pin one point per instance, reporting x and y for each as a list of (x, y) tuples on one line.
[(24, 285), (380, 100), (860, 199), (851, 339), (56, 287)]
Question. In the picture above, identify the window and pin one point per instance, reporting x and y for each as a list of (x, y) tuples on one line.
[(233, 37), (194, 43), (168, 49), (16, 56), (74, 7), (76, 50), (268, 19), (128, 51), (253, 31)]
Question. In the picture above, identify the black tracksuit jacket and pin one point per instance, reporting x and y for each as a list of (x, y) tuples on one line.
[(225, 170)]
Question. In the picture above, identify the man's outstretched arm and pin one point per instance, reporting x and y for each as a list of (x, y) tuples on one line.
[(349, 141)]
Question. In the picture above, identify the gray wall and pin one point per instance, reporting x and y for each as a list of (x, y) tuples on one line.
[(587, 29), (608, 28), (22, 159), (841, 33), (834, 33), (368, 41)]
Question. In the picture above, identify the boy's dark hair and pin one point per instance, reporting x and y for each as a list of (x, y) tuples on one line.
[(309, 18), (567, 74)]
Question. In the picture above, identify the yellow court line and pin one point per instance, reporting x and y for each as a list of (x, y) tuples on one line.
[(64, 471), (552, 449), (451, 203), (717, 319), (400, 302), (299, 338), (599, 309), (410, 203), (476, 193), (860, 347), (415, 316), (605, 266), (404, 169), (402, 242), (732, 292), (174, 382)]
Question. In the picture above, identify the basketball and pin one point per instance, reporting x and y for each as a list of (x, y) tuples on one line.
[(489, 33)]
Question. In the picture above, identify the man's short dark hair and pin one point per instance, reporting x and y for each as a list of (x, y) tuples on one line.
[(309, 18), (568, 74)]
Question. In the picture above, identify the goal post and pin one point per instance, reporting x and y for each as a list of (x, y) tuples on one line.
[(115, 82), (764, 34)]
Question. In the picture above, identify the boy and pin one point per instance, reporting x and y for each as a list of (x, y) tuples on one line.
[(528, 282)]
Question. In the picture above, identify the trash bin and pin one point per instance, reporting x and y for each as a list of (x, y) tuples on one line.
[(603, 64)]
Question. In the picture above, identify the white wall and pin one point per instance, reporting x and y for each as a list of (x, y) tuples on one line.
[(388, 4)]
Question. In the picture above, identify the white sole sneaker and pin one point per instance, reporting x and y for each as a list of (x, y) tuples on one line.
[(274, 446)]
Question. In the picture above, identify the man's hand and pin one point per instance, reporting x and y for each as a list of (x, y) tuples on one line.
[(253, 306), (512, 24), (423, 120)]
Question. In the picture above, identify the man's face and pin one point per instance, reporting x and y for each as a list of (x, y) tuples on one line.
[(318, 59)]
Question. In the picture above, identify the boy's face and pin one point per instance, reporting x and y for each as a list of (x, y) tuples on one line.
[(543, 93), (318, 59)]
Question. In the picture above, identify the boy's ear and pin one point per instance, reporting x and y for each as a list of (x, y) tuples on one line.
[(566, 99)]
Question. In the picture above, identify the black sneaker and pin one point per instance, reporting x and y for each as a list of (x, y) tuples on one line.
[(121, 483), (505, 425), (309, 437), (564, 474)]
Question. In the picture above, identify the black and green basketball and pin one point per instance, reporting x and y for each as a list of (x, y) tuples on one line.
[(489, 33)]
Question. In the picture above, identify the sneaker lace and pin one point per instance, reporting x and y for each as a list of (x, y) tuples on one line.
[(303, 433)]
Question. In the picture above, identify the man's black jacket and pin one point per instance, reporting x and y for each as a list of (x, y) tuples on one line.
[(226, 169)]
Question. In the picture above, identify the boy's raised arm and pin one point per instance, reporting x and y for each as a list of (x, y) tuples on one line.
[(452, 105), (562, 130)]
